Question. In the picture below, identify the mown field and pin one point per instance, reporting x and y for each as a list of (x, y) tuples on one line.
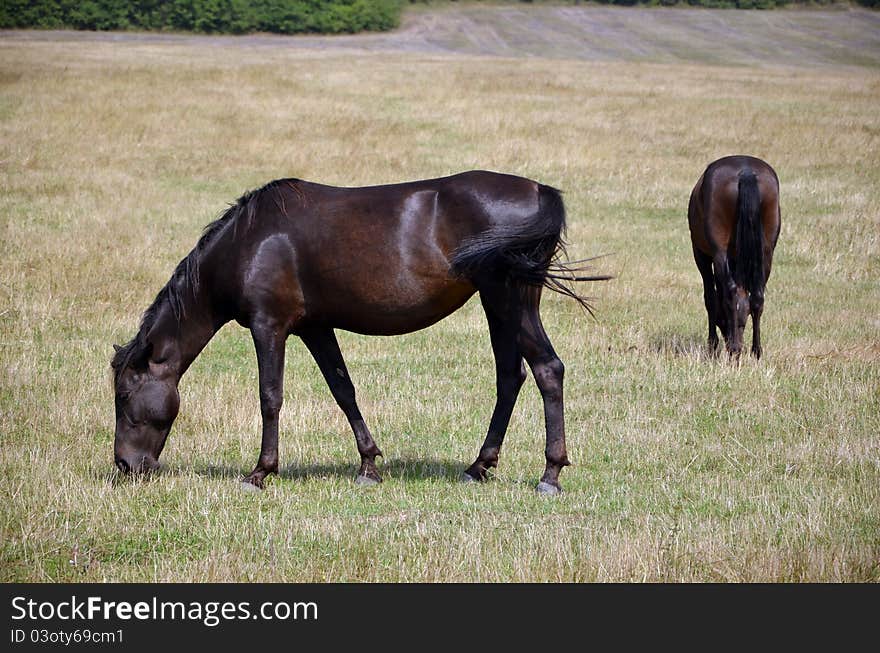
[(114, 154)]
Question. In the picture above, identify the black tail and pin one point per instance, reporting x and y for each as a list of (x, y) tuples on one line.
[(530, 254), (749, 268)]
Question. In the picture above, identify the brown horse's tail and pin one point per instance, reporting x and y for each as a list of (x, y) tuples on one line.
[(749, 267), (529, 254)]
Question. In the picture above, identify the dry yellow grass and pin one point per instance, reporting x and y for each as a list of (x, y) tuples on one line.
[(114, 154)]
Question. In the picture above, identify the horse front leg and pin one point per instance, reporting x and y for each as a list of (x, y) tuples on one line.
[(324, 348), (269, 341), (510, 373)]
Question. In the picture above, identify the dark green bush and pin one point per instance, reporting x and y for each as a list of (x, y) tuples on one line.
[(234, 16)]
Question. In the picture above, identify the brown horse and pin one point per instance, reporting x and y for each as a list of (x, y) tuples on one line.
[(301, 258), (734, 221)]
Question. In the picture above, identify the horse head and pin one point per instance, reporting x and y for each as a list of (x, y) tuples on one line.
[(147, 402), (736, 312)]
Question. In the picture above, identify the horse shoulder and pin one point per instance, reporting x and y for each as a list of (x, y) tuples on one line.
[(270, 284)]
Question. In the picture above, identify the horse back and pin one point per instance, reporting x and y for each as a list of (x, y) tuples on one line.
[(373, 260)]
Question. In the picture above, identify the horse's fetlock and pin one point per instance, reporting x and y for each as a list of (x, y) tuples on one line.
[(489, 456)]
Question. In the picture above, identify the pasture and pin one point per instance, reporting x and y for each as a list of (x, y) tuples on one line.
[(114, 153)]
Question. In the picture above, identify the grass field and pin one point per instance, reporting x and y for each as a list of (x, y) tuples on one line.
[(114, 154)]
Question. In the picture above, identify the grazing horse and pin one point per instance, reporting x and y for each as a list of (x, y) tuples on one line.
[(300, 258), (734, 222)]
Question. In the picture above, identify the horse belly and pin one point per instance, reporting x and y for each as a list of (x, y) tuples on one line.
[(387, 304), (389, 271)]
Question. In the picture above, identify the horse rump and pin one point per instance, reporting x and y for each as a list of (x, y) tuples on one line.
[(529, 254)]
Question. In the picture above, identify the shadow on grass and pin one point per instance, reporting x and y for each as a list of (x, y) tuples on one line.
[(689, 346), (411, 469), (110, 475)]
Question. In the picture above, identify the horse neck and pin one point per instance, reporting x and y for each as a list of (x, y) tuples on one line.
[(180, 336)]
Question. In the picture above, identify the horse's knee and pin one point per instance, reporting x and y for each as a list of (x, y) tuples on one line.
[(549, 377), (756, 303), (270, 402)]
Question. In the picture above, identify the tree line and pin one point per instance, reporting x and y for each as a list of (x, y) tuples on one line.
[(279, 16), (209, 16)]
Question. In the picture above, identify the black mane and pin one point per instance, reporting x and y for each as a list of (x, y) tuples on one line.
[(184, 280)]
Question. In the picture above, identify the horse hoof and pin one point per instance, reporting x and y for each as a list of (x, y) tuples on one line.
[(547, 490), (249, 487), (467, 478), (366, 481)]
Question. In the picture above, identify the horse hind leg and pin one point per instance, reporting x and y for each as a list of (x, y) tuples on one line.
[(710, 298), (549, 372), (517, 333), (756, 308), (756, 305), (325, 350), (510, 373)]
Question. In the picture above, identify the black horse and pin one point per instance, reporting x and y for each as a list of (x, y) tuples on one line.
[(301, 258), (734, 221)]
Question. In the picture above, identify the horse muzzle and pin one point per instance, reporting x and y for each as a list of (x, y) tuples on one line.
[(137, 464)]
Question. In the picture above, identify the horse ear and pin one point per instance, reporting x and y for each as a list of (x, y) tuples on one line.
[(116, 361)]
